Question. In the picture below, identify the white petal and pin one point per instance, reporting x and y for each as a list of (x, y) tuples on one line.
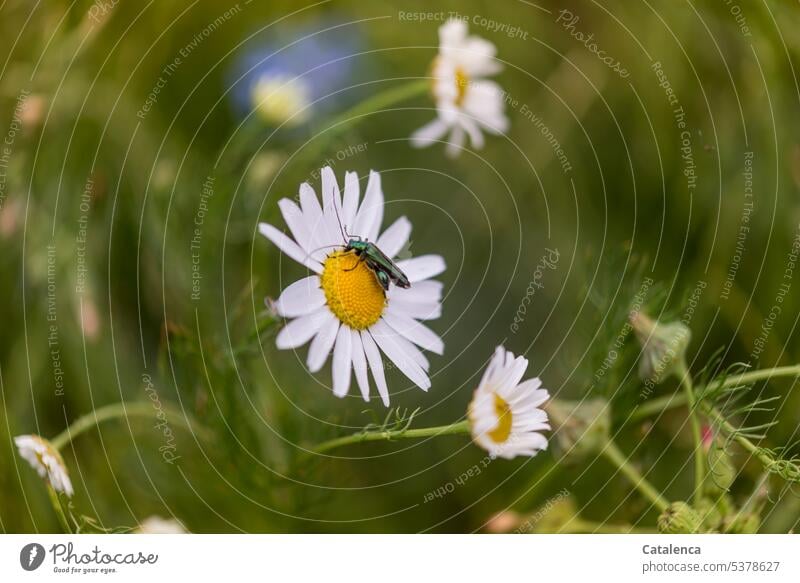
[(493, 368), (429, 133), (289, 247), (322, 237), (301, 298), (312, 215), (421, 292), (455, 143), (370, 215), (452, 33), (359, 363), (411, 350), (477, 55), (393, 238), (475, 135), (342, 357), (422, 267), (296, 223), (417, 310), (376, 365), (301, 330), (350, 203), (385, 337), (322, 343), (330, 190), (416, 332), (513, 375), (332, 204)]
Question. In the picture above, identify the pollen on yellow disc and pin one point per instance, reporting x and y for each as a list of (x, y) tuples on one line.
[(462, 80), (502, 409), (352, 291)]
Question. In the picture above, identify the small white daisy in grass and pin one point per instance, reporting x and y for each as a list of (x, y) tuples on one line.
[(466, 102), (45, 459), (157, 525), (505, 415), (348, 305)]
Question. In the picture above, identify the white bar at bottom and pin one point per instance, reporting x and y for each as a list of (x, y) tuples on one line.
[(402, 558)]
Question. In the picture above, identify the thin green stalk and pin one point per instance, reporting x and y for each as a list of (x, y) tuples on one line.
[(616, 457), (694, 421), (358, 112), (459, 428), (661, 404), (115, 411), (716, 415), (56, 503)]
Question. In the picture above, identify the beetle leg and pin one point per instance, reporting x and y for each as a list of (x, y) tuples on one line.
[(361, 257)]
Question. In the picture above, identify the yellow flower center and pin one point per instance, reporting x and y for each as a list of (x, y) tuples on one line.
[(502, 409), (462, 82), (352, 291)]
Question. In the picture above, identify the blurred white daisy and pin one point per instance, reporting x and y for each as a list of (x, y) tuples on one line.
[(46, 460), (343, 307), (157, 525), (466, 102), (504, 414)]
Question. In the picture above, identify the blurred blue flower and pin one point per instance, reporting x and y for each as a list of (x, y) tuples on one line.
[(281, 79)]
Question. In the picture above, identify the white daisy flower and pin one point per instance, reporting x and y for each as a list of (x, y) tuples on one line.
[(157, 525), (466, 102), (46, 460), (343, 306), (504, 414)]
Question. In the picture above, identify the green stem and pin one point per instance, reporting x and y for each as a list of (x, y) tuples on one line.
[(694, 421), (359, 112), (616, 457), (114, 411), (716, 415), (656, 406), (458, 428), (56, 502)]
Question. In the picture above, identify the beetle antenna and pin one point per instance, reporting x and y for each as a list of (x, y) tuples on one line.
[(339, 219), (319, 248)]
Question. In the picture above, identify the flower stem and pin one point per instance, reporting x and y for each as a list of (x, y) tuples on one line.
[(656, 406), (357, 113), (716, 415), (694, 421), (114, 411), (380, 101), (56, 502), (616, 457), (458, 428)]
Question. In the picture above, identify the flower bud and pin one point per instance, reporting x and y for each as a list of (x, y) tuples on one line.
[(743, 523), (550, 517), (580, 427), (709, 513), (721, 470), (504, 521), (679, 518), (663, 347)]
